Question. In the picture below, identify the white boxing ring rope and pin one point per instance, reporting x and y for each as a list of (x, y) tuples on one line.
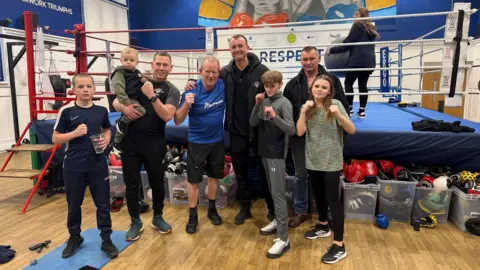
[(399, 62)]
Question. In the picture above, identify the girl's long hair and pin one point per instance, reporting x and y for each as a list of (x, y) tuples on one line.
[(326, 102), (368, 25)]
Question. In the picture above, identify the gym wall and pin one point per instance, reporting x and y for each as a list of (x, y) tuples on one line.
[(194, 13)]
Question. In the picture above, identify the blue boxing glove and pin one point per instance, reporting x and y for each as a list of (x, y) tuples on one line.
[(341, 11), (307, 18)]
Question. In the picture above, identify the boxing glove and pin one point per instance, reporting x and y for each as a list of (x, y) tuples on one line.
[(386, 167), (426, 181), (308, 18), (273, 18), (401, 173), (115, 160), (371, 172), (241, 19), (355, 173)]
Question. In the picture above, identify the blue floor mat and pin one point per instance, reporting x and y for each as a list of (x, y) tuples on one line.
[(88, 254)]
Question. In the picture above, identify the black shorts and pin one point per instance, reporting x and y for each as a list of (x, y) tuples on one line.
[(207, 158)]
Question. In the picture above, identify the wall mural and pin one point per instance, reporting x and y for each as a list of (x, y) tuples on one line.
[(244, 12)]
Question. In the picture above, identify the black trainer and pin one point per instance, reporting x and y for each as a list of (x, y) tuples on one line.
[(73, 244), (214, 217), (334, 254), (318, 230), (109, 248), (243, 214), (192, 224)]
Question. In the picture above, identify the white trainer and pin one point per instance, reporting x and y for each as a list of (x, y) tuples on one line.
[(279, 247), (271, 228)]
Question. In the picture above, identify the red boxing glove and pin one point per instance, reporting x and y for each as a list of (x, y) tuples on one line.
[(241, 19), (115, 160), (387, 167), (355, 173), (401, 173), (370, 168), (426, 181), (273, 18)]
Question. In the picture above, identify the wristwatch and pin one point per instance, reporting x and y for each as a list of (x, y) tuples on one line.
[(153, 99)]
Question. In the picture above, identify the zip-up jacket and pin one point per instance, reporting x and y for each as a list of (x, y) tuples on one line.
[(273, 133), (254, 74)]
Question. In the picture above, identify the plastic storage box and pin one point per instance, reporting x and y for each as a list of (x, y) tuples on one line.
[(117, 185), (147, 193), (430, 201), (177, 185), (359, 200), (395, 199), (464, 206), (226, 191)]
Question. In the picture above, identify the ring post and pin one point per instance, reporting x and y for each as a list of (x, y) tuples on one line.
[(421, 64), (28, 22), (399, 72), (209, 40), (80, 48), (109, 65), (30, 64)]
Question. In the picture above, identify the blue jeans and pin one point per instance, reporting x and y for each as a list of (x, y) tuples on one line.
[(300, 189)]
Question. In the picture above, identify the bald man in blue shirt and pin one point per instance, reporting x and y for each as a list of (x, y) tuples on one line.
[(205, 107)]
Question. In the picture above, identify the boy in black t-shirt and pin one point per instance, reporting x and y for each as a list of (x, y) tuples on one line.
[(127, 81), (85, 129)]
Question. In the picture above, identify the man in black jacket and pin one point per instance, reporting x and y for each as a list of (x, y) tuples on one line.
[(297, 91), (242, 78)]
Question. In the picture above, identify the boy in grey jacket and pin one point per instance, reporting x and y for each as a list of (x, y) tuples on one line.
[(274, 118)]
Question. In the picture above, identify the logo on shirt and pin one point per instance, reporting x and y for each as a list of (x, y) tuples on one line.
[(73, 118), (213, 104), (158, 91), (273, 169), (256, 84)]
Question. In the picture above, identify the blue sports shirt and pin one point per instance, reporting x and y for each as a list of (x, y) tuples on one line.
[(206, 116)]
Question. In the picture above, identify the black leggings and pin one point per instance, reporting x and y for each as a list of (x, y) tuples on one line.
[(350, 79), (326, 191)]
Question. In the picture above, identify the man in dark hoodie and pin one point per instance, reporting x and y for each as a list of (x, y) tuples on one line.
[(242, 78), (297, 91)]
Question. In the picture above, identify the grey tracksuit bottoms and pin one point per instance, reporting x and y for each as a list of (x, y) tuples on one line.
[(275, 172)]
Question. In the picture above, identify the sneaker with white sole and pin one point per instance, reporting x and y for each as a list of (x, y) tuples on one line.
[(279, 247), (318, 231), (271, 228), (334, 254)]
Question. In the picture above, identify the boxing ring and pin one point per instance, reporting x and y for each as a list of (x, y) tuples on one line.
[(386, 132)]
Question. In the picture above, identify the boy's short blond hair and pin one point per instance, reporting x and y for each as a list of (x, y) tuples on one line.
[(272, 77), (129, 50)]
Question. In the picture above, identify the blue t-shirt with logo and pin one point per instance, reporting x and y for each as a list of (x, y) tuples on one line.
[(206, 116), (79, 153)]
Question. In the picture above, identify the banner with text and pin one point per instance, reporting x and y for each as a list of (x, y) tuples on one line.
[(293, 39), (58, 14), (384, 74)]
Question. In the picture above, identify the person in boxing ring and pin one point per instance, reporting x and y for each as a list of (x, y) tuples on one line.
[(359, 57), (145, 143)]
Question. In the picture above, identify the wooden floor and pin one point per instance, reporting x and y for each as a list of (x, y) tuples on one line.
[(228, 246)]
